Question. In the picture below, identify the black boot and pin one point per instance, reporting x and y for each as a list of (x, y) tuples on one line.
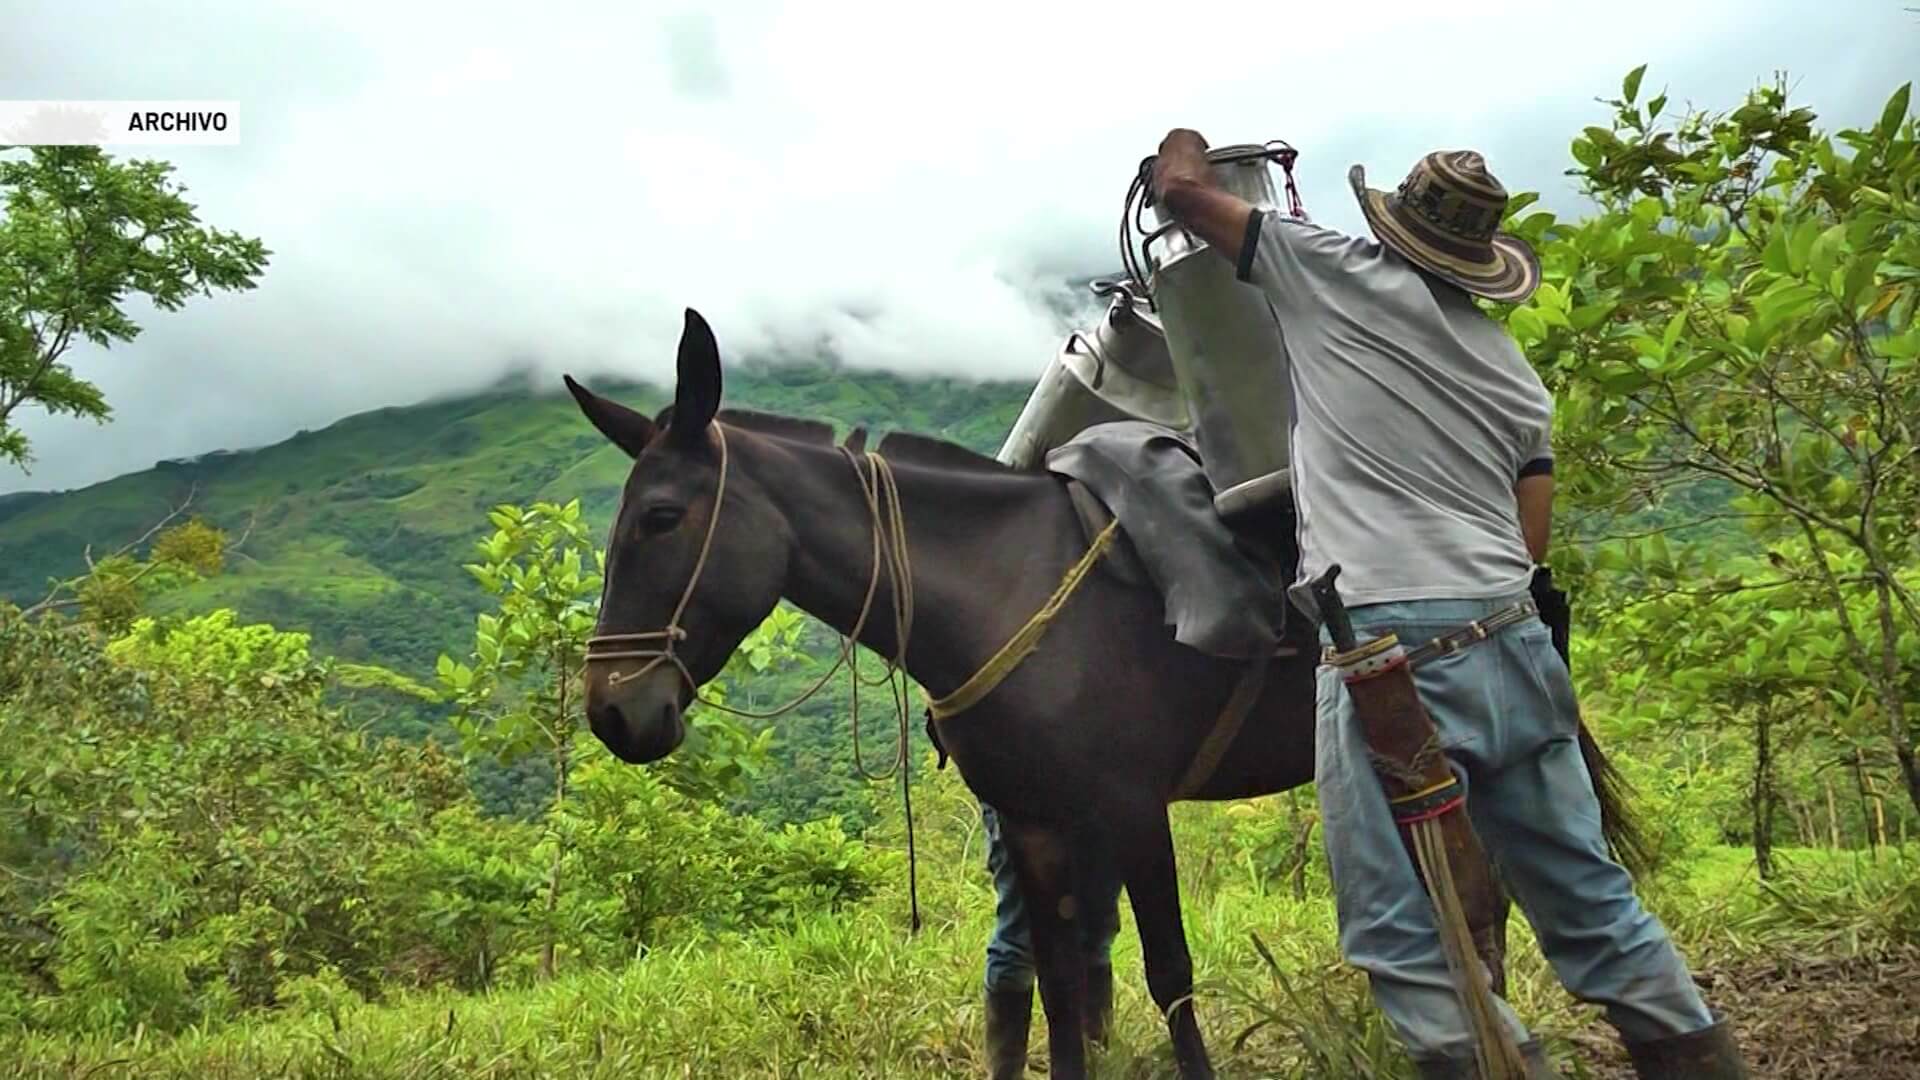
[(1707, 1054), (1009, 1014), (1099, 1004)]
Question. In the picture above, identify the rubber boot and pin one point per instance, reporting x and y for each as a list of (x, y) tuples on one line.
[(1707, 1054), (1009, 1015), (1531, 1052), (1099, 1004)]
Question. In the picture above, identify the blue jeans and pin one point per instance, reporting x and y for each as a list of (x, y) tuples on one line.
[(1010, 950), (1507, 716)]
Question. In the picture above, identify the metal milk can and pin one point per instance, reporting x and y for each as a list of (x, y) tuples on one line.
[(1228, 353), (1119, 370)]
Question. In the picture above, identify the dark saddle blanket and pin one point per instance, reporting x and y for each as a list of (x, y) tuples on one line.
[(1223, 596)]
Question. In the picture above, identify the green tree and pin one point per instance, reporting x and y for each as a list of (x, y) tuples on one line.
[(185, 826), (1738, 316), (79, 233), (116, 587), (519, 695)]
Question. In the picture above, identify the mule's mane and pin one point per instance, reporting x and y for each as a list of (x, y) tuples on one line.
[(937, 454), (780, 427), (899, 446)]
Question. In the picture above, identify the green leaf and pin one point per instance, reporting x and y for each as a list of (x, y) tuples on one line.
[(1800, 245), (1630, 86), (1588, 316), (1655, 106), (1526, 325), (1861, 276), (1775, 257), (1826, 252), (1550, 297), (1895, 112), (1675, 326), (1839, 490)]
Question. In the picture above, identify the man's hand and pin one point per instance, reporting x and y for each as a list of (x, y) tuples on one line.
[(1183, 183), (1182, 160)]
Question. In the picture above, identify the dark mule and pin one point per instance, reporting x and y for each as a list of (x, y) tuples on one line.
[(1096, 727)]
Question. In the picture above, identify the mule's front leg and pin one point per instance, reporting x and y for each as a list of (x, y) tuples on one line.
[(1153, 885), (1043, 859)]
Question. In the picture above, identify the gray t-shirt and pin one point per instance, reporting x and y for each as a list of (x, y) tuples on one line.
[(1414, 414)]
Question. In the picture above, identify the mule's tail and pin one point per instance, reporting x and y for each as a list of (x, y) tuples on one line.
[(1623, 832)]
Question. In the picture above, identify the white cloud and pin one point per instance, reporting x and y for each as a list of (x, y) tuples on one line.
[(451, 189)]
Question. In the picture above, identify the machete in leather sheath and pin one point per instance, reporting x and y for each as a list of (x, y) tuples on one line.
[(1428, 803)]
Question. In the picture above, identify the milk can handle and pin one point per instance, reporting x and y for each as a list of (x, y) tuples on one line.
[(1099, 363), (1155, 235)]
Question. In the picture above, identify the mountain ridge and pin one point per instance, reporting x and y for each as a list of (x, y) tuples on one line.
[(358, 529)]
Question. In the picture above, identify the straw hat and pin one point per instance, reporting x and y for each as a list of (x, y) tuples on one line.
[(1445, 218)]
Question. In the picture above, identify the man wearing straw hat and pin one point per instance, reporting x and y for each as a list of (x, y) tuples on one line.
[(1422, 466)]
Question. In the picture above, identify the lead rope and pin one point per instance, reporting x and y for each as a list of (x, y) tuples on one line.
[(882, 494)]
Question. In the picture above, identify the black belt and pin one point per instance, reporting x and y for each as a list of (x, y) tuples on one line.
[(1471, 634)]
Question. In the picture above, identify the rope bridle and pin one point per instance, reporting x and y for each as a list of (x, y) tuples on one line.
[(608, 647), (882, 496)]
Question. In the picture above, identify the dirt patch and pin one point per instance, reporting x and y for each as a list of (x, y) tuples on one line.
[(1806, 1017)]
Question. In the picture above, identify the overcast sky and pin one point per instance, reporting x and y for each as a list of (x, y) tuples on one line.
[(452, 190)]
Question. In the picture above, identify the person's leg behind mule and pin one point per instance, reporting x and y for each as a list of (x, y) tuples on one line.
[(1537, 813), (1010, 969), (1387, 926)]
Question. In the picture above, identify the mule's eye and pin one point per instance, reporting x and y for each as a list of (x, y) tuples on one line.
[(659, 519)]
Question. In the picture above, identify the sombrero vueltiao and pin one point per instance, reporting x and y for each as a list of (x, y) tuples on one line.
[(1445, 218)]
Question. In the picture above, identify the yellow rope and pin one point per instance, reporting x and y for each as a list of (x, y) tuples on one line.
[(1494, 1049), (1024, 640), (1424, 792)]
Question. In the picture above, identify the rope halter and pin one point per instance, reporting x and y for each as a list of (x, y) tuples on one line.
[(606, 648)]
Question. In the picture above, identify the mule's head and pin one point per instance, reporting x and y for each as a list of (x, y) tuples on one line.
[(656, 582)]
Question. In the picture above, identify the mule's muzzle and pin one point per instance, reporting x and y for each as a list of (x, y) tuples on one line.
[(639, 722)]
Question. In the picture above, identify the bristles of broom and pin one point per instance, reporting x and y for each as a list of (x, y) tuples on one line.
[(1493, 1047)]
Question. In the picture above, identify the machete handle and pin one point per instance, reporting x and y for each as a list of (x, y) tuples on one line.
[(1334, 613)]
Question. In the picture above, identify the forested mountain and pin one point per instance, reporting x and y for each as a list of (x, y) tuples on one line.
[(358, 530), (356, 533)]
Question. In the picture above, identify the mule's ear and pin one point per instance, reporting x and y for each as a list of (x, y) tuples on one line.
[(696, 397), (629, 430)]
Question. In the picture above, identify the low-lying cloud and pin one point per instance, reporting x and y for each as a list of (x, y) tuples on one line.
[(454, 191)]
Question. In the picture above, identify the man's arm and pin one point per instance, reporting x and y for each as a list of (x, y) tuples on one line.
[(1534, 492), (1183, 182)]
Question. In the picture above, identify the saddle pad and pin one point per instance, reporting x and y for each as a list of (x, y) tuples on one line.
[(1220, 597), (1122, 562)]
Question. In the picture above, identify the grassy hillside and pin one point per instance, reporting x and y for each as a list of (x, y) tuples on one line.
[(856, 995)]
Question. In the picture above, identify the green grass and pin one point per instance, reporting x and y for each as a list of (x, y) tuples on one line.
[(857, 996)]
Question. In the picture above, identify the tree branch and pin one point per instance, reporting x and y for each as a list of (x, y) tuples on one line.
[(52, 600)]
